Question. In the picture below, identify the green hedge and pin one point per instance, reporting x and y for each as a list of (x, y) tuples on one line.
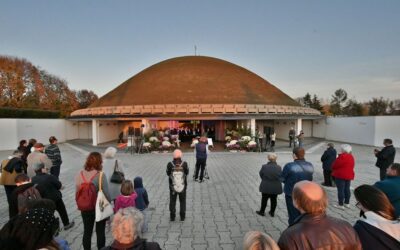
[(28, 113)]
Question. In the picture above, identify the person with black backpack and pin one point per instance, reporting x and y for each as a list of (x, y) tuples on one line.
[(177, 171), (22, 194)]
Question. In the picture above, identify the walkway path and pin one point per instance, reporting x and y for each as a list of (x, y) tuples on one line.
[(219, 211)]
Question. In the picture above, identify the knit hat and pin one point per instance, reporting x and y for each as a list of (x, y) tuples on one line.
[(41, 219)]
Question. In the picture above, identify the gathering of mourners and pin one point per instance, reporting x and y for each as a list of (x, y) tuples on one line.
[(107, 197)]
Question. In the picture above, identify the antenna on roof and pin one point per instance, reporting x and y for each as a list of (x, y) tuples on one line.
[(195, 50)]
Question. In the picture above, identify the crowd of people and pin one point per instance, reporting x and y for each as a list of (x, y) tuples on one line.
[(31, 180)]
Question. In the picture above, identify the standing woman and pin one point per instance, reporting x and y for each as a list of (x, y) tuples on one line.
[(90, 174), (270, 186), (343, 171), (108, 167), (378, 228)]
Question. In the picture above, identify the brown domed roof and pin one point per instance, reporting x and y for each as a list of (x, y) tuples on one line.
[(194, 80)]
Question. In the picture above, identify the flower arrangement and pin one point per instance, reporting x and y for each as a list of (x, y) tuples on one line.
[(228, 138), (246, 138), (165, 138), (153, 139), (147, 145)]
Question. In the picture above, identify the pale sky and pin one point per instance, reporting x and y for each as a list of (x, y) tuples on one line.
[(299, 46)]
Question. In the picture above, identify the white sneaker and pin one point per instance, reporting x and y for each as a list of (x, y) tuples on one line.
[(338, 206), (347, 205)]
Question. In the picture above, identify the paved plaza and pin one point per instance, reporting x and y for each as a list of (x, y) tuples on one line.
[(219, 211)]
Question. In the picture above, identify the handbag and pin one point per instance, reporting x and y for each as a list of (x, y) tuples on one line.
[(117, 176), (103, 206)]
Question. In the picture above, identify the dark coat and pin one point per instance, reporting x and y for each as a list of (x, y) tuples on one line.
[(14, 198), (270, 178), (391, 187), (372, 238), (328, 158), (385, 157), (142, 199), (293, 172), (138, 244), (319, 232), (48, 186), (170, 166)]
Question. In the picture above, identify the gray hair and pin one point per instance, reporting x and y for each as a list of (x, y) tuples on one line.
[(272, 157), (110, 152), (346, 148), (127, 225), (177, 153), (258, 240)]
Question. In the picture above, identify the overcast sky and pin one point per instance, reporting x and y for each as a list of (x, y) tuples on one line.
[(299, 46)]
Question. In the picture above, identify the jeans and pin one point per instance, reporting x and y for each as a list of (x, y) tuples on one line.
[(292, 211), (343, 187), (264, 201), (9, 189), (89, 218), (382, 173), (328, 178), (200, 166), (55, 170), (145, 221), (172, 203), (62, 211)]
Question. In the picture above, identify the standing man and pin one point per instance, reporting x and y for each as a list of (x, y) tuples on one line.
[(292, 134), (53, 152), (261, 143), (391, 186), (293, 172), (273, 139), (300, 137), (177, 171), (201, 150), (37, 156), (327, 159), (10, 168), (385, 157)]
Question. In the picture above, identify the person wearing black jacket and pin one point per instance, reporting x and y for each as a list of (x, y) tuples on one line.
[(327, 159), (171, 166), (270, 186), (385, 157), (49, 187)]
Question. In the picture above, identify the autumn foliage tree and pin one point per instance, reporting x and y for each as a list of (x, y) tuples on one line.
[(23, 85)]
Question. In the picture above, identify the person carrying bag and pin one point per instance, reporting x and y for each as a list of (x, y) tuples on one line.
[(117, 176), (103, 206)]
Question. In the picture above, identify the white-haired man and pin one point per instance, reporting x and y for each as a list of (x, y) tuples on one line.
[(177, 171)]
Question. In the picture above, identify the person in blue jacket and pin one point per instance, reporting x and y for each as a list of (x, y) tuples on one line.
[(391, 186), (327, 159)]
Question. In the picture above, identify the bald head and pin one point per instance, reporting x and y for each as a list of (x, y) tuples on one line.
[(310, 197), (177, 154)]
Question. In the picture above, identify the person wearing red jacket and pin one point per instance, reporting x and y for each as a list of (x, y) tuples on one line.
[(343, 171)]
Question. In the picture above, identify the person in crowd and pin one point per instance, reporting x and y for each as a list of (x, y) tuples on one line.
[(378, 228), (142, 199), (24, 192), (53, 152), (34, 229), (391, 186), (300, 138), (23, 144), (177, 171), (109, 165), (343, 172), (261, 140), (293, 172), (385, 157), (255, 240), (327, 158), (292, 135), (127, 198), (201, 150), (37, 156), (91, 173), (121, 137), (273, 139), (49, 187), (270, 186), (30, 147), (126, 231), (10, 168), (314, 229)]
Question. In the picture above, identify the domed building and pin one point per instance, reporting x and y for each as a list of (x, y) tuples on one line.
[(197, 93)]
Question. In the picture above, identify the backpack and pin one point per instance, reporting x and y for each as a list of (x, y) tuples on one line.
[(87, 194), (29, 194), (178, 178)]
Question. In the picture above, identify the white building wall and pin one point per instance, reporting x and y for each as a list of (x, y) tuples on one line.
[(71, 130), (85, 130), (8, 134), (108, 131), (307, 128), (319, 128), (387, 127), (282, 128), (41, 129)]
